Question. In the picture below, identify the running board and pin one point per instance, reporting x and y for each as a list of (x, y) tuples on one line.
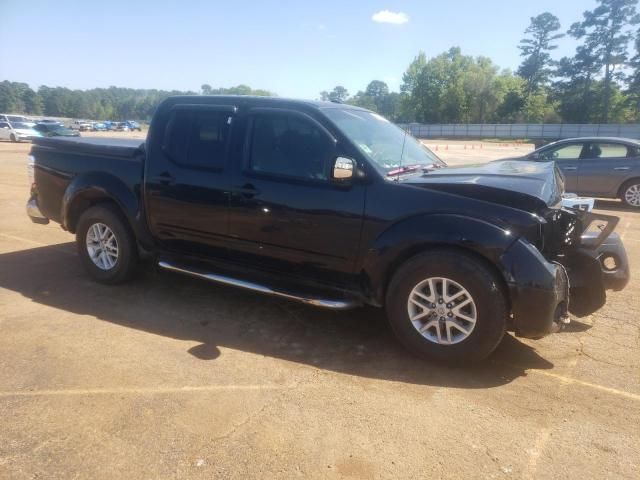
[(214, 277)]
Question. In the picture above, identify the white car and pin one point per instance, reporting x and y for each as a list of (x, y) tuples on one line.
[(17, 131), (571, 200)]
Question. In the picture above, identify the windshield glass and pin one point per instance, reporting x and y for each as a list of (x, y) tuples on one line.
[(385, 144), (15, 118)]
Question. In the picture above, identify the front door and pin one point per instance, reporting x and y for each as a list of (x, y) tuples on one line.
[(285, 213), (567, 157), (187, 182), (5, 131), (604, 166)]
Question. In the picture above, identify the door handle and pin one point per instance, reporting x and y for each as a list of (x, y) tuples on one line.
[(247, 190), (622, 168), (569, 169), (164, 178)]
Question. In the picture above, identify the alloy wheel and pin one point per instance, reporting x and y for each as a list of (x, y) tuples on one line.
[(442, 310), (102, 246), (632, 195)]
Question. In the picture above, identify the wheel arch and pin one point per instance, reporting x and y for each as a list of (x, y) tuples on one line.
[(90, 190), (482, 241), (626, 183)]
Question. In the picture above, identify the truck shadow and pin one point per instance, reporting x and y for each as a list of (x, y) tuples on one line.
[(356, 342)]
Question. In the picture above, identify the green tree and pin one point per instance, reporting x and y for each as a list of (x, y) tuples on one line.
[(536, 65), (606, 34), (338, 94), (633, 81)]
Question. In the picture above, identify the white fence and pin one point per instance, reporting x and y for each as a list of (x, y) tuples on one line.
[(548, 131)]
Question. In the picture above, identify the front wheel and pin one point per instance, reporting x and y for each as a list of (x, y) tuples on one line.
[(447, 305), (13, 138), (631, 193), (106, 245)]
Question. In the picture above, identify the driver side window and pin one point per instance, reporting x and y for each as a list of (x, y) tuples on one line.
[(565, 152), (289, 145)]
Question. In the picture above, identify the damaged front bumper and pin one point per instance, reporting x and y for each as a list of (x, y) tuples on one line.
[(543, 291)]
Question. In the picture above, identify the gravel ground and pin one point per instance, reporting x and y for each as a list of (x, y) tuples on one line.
[(168, 377)]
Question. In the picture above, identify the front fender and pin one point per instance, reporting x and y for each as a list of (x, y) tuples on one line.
[(90, 188), (412, 235)]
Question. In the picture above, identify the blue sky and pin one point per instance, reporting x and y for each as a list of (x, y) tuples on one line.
[(294, 48)]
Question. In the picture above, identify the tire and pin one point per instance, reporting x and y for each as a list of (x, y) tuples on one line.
[(13, 138), (488, 304), (630, 193), (106, 269)]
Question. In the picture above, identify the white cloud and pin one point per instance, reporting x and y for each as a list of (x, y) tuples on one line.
[(386, 16)]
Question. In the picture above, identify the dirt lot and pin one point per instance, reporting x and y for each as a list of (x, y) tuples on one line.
[(168, 377), (460, 152)]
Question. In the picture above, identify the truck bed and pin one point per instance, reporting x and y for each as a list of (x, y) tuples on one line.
[(112, 147), (64, 166)]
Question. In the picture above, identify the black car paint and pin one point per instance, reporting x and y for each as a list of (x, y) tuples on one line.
[(345, 238)]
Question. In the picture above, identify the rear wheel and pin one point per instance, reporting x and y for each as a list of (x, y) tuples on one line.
[(106, 245), (631, 193), (447, 305)]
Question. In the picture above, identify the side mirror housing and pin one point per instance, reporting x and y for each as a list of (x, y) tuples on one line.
[(343, 170)]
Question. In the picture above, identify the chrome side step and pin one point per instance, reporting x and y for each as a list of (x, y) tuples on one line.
[(214, 277)]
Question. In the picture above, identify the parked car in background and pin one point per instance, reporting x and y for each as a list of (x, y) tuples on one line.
[(17, 131), (46, 121), (334, 206), (55, 130), (133, 125), (603, 167), (121, 126), (85, 126), (14, 118)]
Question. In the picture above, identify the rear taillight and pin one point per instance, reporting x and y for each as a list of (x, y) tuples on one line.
[(31, 161)]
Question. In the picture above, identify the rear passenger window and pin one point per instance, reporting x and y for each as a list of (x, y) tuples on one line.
[(565, 152), (289, 145), (198, 138), (607, 150)]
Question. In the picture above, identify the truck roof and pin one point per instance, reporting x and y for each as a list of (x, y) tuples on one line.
[(257, 101)]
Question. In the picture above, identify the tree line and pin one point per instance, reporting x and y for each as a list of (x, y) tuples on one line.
[(111, 103), (600, 83)]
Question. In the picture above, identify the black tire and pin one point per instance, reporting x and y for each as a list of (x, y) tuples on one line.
[(13, 138), (484, 286), (127, 248), (634, 182)]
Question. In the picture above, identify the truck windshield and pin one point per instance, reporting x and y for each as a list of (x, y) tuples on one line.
[(385, 144)]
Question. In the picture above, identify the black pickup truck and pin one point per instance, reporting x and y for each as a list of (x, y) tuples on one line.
[(334, 206)]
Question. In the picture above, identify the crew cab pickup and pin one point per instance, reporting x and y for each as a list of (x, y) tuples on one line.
[(334, 206)]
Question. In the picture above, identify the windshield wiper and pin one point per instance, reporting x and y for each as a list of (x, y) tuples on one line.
[(404, 169)]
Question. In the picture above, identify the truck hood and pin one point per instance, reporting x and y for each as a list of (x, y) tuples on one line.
[(531, 186)]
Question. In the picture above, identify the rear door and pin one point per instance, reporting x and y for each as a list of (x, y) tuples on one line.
[(567, 157), (187, 181), (604, 167)]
